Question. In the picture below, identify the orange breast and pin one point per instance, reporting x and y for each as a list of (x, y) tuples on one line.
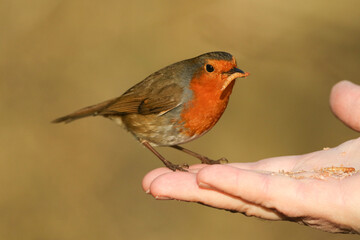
[(206, 107)]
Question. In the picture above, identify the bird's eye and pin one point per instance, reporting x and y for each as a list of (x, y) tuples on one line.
[(209, 68)]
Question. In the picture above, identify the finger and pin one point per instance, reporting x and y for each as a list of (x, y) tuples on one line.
[(345, 103), (183, 186), (289, 196), (149, 177)]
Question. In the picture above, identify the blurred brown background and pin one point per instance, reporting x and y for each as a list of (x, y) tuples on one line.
[(83, 180)]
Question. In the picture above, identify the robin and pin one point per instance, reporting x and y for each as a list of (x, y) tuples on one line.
[(174, 105)]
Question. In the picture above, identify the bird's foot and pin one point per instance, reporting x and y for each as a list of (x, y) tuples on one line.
[(206, 160), (180, 167)]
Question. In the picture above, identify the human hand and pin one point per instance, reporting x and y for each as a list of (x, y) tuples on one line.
[(318, 189)]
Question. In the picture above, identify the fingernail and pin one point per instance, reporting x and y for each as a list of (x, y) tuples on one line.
[(205, 185), (147, 191), (162, 198)]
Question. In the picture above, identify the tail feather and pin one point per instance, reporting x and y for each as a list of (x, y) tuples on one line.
[(93, 110)]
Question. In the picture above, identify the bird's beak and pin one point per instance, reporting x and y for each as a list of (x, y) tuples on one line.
[(232, 75)]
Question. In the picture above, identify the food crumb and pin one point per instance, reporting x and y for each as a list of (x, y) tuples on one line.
[(321, 174)]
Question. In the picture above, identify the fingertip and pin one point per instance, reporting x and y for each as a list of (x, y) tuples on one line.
[(151, 176), (173, 185), (337, 97), (154, 174), (345, 103)]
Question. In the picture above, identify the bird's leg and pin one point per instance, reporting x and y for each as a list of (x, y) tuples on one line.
[(202, 158), (167, 163)]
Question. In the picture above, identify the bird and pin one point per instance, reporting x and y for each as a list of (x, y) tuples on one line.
[(174, 105)]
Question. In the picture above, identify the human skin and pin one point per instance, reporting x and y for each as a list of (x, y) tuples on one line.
[(265, 190)]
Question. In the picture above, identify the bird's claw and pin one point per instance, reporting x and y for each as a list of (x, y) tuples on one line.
[(180, 167), (206, 160)]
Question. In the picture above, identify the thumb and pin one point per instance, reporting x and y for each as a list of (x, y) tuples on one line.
[(345, 103)]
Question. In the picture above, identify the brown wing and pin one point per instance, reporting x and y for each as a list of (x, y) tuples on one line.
[(154, 100)]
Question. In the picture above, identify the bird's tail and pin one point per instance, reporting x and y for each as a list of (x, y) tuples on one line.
[(93, 110)]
